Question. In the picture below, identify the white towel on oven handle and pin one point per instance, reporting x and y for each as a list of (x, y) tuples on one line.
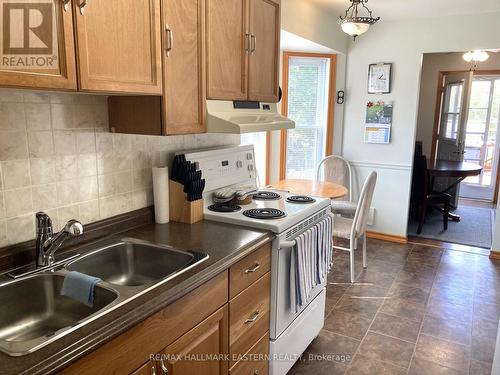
[(310, 261)]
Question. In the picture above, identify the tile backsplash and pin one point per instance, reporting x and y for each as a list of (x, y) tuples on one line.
[(57, 156)]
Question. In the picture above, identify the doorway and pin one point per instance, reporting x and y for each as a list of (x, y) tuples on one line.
[(467, 129), (457, 122)]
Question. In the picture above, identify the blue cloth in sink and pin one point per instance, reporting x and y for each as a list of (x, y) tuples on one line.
[(80, 287)]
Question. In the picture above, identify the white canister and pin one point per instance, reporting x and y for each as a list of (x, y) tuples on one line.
[(160, 192)]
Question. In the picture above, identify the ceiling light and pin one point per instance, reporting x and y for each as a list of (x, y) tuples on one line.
[(357, 21), (476, 56)]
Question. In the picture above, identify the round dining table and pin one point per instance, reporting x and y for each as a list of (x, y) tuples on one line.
[(323, 189)]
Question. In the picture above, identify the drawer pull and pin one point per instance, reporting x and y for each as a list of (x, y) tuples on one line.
[(255, 267), (254, 317), (256, 372), (163, 367), (153, 370)]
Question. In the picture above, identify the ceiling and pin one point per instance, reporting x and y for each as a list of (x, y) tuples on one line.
[(405, 9)]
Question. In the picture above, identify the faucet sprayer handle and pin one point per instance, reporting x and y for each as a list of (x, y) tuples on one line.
[(74, 228)]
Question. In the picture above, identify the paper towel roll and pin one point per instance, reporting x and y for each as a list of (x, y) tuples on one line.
[(160, 191)]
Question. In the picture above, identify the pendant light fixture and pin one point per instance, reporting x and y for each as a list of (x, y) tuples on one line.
[(475, 57), (357, 21)]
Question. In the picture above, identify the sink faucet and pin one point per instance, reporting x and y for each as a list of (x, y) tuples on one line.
[(46, 243)]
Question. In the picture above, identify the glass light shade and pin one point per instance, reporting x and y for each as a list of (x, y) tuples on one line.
[(354, 28), (476, 56)]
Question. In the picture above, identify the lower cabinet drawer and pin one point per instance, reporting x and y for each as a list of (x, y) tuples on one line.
[(249, 316), (255, 362)]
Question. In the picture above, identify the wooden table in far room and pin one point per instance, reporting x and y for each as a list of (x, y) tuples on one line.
[(453, 169), (323, 189)]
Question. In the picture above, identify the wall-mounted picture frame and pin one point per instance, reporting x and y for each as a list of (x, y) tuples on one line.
[(379, 78)]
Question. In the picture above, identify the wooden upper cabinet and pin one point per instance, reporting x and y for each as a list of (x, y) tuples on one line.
[(209, 339), (119, 45), (183, 66), (264, 50), (227, 49), (42, 57)]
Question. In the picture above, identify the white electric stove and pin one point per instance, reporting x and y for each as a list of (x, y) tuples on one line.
[(285, 214)]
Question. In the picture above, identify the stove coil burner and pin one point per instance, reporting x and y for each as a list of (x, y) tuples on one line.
[(300, 199), (266, 195), (224, 207), (264, 213)]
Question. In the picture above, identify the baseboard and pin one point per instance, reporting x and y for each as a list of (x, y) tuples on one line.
[(386, 237), (494, 254)]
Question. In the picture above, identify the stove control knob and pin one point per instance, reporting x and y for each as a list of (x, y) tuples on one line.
[(250, 167), (249, 156), (239, 164)]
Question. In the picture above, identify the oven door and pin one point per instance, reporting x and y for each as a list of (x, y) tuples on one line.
[(282, 313)]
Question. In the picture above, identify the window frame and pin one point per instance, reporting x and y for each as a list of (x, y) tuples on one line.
[(284, 103)]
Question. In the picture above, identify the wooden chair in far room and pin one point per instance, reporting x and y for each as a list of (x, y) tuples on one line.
[(424, 197), (355, 229), (336, 169)]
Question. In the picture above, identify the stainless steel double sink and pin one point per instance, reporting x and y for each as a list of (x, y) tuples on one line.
[(33, 312)]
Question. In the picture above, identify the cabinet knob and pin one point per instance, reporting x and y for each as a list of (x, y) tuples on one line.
[(254, 317)]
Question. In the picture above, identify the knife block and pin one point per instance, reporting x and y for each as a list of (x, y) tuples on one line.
[(181, 210)]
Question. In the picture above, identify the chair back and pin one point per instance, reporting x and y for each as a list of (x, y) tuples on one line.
[(336, 169), (364, 203), (420, 180)]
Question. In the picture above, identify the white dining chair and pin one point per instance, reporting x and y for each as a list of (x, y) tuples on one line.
[(336, 169), (355, 229)]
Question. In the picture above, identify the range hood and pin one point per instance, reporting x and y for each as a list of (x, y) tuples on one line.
[(240, 117)]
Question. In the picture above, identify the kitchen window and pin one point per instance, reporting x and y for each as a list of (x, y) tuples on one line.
[(308, 87)]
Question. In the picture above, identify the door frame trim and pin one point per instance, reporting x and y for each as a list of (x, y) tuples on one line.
[(331, 103), (437, 113)]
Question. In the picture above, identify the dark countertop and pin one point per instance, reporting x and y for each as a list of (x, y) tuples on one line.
[(226, 244)]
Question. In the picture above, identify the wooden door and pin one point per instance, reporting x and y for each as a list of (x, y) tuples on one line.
[(183, 72), (45, 57), (201, 350), (264, 50), (227, 49), (119, 45)]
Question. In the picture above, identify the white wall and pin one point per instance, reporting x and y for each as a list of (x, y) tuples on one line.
[(433, 63), (302, 18), (402, 43)]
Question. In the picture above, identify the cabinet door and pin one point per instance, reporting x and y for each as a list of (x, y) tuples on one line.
[(227, 49), (196, 352), (119, 45), (264, 55), (184, 75), (41, 56)]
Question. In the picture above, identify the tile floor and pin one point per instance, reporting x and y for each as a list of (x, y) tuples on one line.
[(416, 310)]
